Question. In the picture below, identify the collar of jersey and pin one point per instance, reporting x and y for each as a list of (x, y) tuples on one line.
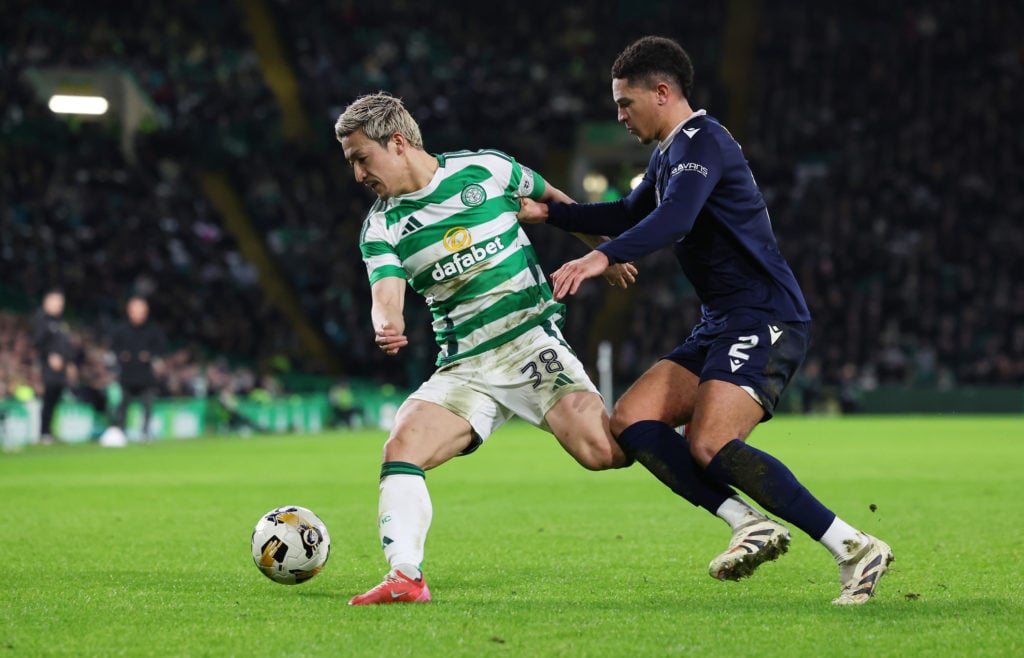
[(426, 189), (667, 142)]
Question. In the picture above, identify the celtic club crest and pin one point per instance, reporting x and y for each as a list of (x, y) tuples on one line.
[(473, 195)]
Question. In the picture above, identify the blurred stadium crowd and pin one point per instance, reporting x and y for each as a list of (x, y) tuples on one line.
[(883, 135)]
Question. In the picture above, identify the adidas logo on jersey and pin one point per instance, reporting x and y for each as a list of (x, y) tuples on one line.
[(411, 224), (462, 261)]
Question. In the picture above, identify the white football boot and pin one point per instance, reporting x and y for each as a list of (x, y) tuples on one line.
[(860, 574), (752, 545)]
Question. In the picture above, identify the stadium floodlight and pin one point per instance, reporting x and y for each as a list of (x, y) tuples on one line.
[(70, 104), (106, 95)]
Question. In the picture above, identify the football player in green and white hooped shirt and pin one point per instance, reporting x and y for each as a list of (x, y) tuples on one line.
[(446, 225)]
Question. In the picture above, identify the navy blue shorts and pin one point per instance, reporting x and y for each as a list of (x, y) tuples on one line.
[(754, 352)]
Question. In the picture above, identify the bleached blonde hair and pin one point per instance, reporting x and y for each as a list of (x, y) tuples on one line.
[(379, 116)]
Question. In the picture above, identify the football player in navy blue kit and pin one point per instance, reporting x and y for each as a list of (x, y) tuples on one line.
[(699, 197)]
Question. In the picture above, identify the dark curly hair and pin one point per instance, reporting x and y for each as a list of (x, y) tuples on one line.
[(650, 60)]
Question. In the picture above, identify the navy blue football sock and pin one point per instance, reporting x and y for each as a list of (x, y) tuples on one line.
[(769, 482), (666, 454)]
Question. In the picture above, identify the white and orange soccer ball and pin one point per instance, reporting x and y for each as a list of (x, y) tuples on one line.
[(290, 545)]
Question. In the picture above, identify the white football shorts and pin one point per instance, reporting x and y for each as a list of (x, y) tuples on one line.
[(525, 377)]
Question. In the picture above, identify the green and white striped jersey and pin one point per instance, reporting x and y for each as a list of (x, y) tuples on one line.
[(457, 243)]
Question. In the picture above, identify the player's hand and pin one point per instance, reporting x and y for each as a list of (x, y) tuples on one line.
[(621, 274), (568, 277), (531, 212), (389, 340), (56, 361)]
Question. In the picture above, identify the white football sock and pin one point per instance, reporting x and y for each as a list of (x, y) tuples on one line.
[(842, 540), (404, 518), (737, 513)]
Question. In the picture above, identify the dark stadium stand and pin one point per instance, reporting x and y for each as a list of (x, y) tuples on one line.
[(888, 144), (883, 135)]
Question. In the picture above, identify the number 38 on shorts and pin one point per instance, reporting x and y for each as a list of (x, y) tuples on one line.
[(525, 377), (546, 363)]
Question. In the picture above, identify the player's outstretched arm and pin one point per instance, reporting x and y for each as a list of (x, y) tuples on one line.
[(536, 212), (387, 314)]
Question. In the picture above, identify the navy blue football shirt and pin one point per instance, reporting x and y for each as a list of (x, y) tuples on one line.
[(699, 196)]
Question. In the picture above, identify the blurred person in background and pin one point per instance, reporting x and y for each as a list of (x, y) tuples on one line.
[(344, 410), (93, 377), (50, 339), (226, 388), (137, 345)]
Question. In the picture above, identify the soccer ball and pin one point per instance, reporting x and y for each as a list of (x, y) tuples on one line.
[(290, 545)]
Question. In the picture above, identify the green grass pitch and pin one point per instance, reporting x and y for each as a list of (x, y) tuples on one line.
[(145, 550)]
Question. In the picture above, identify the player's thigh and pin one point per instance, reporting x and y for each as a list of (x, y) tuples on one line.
[(427, 434), (540, 379), (723, 412), (746, 369), (580, 423), (666, 392)]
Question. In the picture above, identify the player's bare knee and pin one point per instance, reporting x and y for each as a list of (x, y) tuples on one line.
[(617, 458), (392, 450), (622, 417), (397, 449), (594, 451), (595, 459), (703, 448)]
